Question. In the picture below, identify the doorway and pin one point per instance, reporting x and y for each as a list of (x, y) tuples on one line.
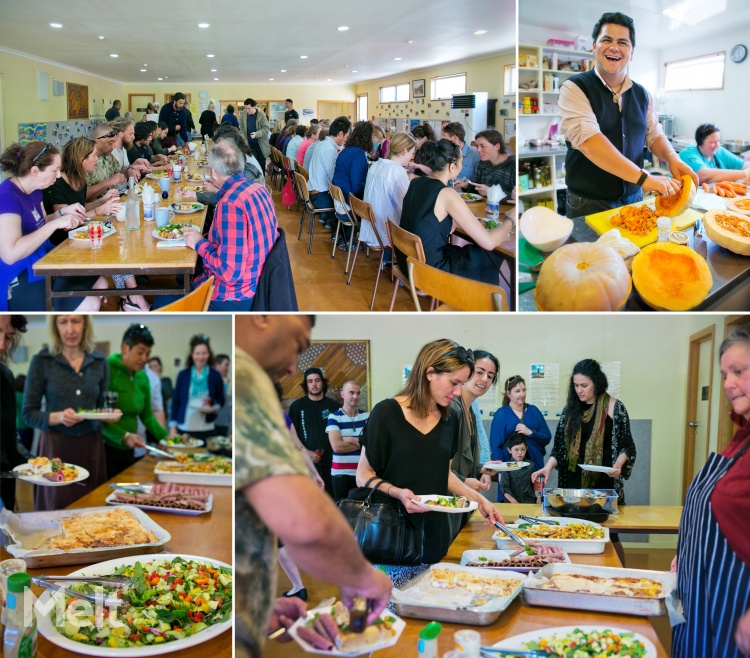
[(698, 408), (137, 103)]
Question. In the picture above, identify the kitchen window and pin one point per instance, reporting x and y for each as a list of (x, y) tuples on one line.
[(394, 94), (705, 72), (444, 86)]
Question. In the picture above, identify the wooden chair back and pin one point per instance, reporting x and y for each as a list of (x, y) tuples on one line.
[(302, 188), (364, 212), (339, 203), (198, 300), (298, 167), (409, 244), (458, 292)]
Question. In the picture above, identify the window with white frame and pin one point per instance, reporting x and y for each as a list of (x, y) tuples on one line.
[(705, 72), (394, 94), (444, 86), (511, 80), (362, 107)]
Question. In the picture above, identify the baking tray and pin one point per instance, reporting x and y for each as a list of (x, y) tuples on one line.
[(643, 607), (571, 546), (183, 477), (41, 521), (472, 556), (112, 500), (477, 616)]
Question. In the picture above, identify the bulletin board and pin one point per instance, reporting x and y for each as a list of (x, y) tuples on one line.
[(78, 101)]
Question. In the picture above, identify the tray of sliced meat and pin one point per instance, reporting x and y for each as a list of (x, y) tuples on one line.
[(166, 497)]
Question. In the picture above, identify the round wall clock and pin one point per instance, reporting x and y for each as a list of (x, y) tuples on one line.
[(738, 54), (203, 94)]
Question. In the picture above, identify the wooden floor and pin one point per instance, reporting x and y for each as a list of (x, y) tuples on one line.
[(635, 558)]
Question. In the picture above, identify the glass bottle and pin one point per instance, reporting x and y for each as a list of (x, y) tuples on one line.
[(132, 208)]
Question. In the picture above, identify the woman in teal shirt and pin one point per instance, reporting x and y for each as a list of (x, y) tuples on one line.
[(127, 379), (711, 161)]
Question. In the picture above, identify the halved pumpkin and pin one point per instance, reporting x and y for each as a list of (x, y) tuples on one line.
[(728, 229), (676, 204), (671, 277), (583, 276)]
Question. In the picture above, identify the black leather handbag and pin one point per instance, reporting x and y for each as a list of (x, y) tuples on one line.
[(385, 531)]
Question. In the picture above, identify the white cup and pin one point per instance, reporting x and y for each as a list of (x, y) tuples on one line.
[(121, 213), (163, 216), (177, 172), (191, 146)]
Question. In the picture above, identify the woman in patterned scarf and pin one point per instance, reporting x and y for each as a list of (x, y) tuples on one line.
[(594, 429)]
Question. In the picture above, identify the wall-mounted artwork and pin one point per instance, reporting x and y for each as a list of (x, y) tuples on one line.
[(31, 132), (78, 100), (340, 361), (417, 88)]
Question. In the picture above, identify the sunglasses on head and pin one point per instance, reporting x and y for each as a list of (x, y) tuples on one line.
[(137, 331), (461, 353), (512, 381), (108, 135), (39, 155)]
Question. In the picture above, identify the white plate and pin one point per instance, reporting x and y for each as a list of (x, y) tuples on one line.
[(472, 556), (595, 468), (448, 510), (473, 198), (732, 205), (42, 481), (49, 631), (175, 208), (517, 641), (398, 625), (111, 500), (156, 235), (102, 415), (194, 443), (158, 175), (503, 467), (197, 178), (84, 228)]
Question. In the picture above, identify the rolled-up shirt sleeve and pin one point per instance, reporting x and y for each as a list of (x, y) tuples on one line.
[(578, 121)]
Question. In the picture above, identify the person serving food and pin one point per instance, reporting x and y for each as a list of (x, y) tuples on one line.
[(606, 120)]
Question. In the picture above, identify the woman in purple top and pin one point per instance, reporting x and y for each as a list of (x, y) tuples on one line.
[(24, 227)]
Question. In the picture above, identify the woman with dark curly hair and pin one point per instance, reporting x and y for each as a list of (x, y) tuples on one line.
[(594, 429), (432, 210)]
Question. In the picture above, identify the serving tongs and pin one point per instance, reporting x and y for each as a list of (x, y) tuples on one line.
[(121, 582), (536, 653), (512, 535), (533, 520), (160, 453)]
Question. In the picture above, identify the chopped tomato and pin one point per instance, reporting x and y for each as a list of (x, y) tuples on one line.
[(198, 616)]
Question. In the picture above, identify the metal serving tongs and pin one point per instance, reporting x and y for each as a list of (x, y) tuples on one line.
[(512, 535), (160, 453), (537, 653), (122, 582), (532, 519)]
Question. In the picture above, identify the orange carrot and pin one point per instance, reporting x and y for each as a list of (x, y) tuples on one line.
[(704, 187), (720, 191)]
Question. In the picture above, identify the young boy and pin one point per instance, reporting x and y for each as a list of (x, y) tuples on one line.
[(517, 486)]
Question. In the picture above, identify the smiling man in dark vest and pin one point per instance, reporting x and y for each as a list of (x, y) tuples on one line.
[(607, 119)]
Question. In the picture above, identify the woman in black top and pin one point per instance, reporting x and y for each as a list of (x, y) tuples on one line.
[(432, 210), (408, 442), (594, 429), (208, 121)]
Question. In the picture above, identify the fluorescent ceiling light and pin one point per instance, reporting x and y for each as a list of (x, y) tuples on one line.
[(481, 32), (343, 28), (113, 55), (303, 56), (397, 59), (328, 79), (694, 12), (204, 25), (355, 71), (283, 70), (216, 79), (160, 78), (143, 70), (57, 25), (271, 79), (101, 38), (210, 55)]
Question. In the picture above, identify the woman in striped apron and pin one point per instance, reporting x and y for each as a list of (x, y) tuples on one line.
[(713, 551)]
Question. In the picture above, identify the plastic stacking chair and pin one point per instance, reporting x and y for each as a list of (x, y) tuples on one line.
[(364, 213), (342, 209), (307, 206), (409, 245), (198, 300), (458, 292)]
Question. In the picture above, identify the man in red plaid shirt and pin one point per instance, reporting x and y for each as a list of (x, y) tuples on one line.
[(243, 232)]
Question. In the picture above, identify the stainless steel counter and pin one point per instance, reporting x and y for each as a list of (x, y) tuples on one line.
[(527, 151), (731, 275)]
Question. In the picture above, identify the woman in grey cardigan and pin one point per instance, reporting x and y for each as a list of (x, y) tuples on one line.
[(69, 375)]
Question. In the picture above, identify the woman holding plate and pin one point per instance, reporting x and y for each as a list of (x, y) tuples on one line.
[(198, 394), (594, 431), (412, 428), (69, 376)]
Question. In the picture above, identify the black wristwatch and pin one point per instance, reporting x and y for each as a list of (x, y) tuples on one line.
[(642, 179)]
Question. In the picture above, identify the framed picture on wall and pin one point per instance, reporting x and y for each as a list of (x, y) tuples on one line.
[(78, 101), (417, 88)]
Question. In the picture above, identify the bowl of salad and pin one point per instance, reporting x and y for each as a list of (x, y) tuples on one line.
[(174, 602)]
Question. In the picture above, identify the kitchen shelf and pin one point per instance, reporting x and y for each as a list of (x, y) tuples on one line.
[(537, 73)]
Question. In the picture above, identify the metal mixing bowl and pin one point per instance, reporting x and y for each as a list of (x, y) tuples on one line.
[(582, 498), (736, 146)]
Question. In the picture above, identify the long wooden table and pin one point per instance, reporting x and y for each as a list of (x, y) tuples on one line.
[(519, 617), (125, 252), (205, 535)]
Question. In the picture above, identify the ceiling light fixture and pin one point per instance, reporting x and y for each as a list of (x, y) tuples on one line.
[(57, 25), (160, 78), (113, 55), (203, 26), (397, 59), (283, 70), (216, 79), (303, 56), (270, 79), (214, 70), (343, 28), (410, 41), (210, 55), (328, 79), (143, 70), (355, 71), (480, 32), (101, 38)]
